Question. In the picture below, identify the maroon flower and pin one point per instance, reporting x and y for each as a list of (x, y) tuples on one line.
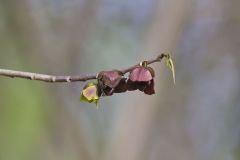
[(141, 78), (111, 82), (121, 87)]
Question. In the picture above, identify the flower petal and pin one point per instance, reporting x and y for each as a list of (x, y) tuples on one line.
[(140, 74), (121, 87), (149, 90), (131, 86), (90, 93), (108, 91), (141, 86), (110, 78)]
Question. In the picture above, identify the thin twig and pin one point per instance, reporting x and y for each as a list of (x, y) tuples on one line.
[(44, 77), (53, 78)]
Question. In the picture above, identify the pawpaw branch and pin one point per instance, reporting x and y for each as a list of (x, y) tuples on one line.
[(74, 78)]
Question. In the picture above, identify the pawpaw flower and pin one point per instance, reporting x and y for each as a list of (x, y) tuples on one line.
[(90, 93), (141, 78), (111, 82)]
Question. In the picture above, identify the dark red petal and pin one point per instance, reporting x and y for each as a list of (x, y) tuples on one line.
[(141, 85), (131, 86), (108, 91), (110, 78), (149, 88), (121, 87), (140, 74)]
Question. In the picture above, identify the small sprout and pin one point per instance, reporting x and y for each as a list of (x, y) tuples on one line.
[(141, 78), (90, 93), (170, 64)]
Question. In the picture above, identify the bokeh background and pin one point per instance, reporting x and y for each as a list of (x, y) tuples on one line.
[(197, 119)]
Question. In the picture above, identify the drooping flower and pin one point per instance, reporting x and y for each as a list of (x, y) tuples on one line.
[(121, 87), (111, 82), (141, 78), (90, 93)]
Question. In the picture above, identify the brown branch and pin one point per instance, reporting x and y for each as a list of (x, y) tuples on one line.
[(44, 77), (53, 78)]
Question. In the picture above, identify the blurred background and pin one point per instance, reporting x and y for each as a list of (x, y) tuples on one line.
[(197, 119)]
